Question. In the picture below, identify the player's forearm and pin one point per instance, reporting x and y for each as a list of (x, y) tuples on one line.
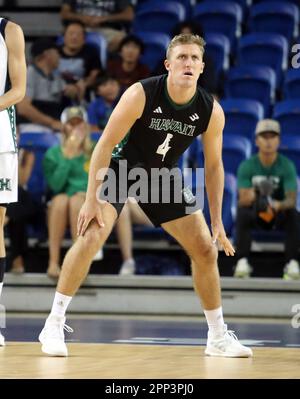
[(99, 163), (11, 97), (214, 181)]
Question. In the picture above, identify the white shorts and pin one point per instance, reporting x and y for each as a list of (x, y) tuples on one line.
[(8, 177)]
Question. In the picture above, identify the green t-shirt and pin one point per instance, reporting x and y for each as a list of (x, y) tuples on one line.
[(68, 176), (282, 174)]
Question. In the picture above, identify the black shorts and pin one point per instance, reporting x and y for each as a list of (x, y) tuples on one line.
[(161, 201)]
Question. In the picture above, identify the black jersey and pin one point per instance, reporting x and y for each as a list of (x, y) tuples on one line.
[(165, 129)]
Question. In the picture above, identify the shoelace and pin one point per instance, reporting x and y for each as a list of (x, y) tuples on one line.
[(230, 335), (56, 330), (68, 328)]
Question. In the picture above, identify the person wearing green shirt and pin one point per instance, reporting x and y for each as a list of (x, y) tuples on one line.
[(267, 184), (66, 169)]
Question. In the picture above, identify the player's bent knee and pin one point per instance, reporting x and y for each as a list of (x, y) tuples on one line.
[(92, 240), (206, 251)]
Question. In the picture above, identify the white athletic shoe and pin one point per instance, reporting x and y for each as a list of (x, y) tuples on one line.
[(291, 270), (2, 340), (242, 268), (52, 336), (226, 345), (128, 267)]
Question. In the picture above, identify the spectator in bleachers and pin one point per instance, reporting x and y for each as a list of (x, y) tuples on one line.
[(66, 172), (79, 61), (20, 213), (267, 184), (41, 108), (208, 79), (111, 18), (127, 68), (107, 90)]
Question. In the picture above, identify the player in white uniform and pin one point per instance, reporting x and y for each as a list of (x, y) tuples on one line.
[(12, 91)]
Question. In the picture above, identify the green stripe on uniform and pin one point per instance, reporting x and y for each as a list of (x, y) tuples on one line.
[(12, 119), (116, 154)]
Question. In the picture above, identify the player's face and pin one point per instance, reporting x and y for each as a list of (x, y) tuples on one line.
[(185, 64), (268, 142)]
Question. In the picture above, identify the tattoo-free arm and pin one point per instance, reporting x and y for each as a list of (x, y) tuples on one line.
[(214, 171), (14, 40)]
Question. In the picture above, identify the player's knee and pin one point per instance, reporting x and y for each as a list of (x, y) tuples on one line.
[(206, 251), (92, 240)]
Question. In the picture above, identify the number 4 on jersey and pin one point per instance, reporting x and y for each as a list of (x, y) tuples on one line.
[(164, 147)]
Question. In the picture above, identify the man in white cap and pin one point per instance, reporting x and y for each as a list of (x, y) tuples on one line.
[(267, 184)]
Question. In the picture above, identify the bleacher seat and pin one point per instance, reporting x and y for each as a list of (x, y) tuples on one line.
[(275, 17), (252, 82), (142, 4), (220, 17), (218, 48), (38, 140), (290, 147), (241, 116), (288, 115), (229, 204), (99, 41), (38, 3), (297, 2), (230, 189), (37, 23), (266, 49), (155, 47), (95, 136), (244, 4), (291, 86), (188, 162), (39, 144), (235, 150), (159, 16)]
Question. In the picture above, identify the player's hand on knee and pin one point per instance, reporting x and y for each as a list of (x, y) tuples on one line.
[(88, 212), (218, 234)]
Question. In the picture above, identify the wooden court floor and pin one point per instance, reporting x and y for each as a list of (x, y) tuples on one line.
[(115, 361)]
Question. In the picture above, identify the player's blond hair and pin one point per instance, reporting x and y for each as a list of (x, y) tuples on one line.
[(186, 38)]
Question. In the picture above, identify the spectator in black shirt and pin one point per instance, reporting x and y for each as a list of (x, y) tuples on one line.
[(79, 61)]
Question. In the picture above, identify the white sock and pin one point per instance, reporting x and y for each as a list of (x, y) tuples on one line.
[(215, 320), (60, 304), (1, 285)]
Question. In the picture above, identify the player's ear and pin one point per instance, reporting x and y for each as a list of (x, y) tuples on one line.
[(167, 64), (203, 65)]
